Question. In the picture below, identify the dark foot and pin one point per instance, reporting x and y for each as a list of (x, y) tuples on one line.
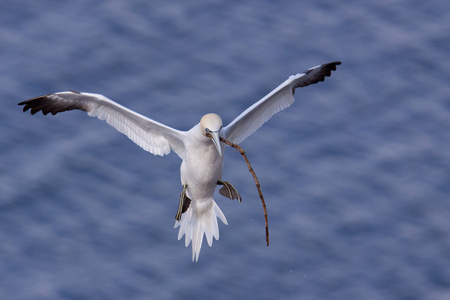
[(229, 191), (184, 203)]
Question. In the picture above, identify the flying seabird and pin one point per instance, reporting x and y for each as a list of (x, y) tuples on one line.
[(199, 148)]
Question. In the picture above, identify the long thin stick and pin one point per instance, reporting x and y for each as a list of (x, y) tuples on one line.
[(256, 182)]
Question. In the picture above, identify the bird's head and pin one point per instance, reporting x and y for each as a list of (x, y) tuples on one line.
[(210, 125)]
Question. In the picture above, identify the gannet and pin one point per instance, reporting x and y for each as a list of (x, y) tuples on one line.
[(199, 148)]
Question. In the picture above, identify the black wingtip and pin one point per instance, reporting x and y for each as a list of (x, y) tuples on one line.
[(327, 68), (55, 103), (23, 103), (334, 64), (315, 74), (331, 66)]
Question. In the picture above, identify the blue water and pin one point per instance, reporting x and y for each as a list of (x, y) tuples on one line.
[(356, 174)]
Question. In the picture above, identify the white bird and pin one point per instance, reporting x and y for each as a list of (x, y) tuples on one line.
[(199, 148)]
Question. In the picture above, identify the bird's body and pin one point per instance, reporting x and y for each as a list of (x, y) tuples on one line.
[(200, 171), (199, 148)]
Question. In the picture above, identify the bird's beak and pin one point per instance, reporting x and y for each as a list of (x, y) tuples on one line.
[(216, 140)]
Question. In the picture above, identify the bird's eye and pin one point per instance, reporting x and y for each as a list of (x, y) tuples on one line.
[(208, 132)]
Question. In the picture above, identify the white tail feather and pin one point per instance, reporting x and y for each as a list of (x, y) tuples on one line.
[(196, 222)]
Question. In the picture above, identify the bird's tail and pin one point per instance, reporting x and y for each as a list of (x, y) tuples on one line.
[(200, 219)]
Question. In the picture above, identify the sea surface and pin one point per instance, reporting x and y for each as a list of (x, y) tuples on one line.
[(355, 174)]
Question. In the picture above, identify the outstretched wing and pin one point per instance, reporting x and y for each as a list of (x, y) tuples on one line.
[(152, 136), (280, 98)]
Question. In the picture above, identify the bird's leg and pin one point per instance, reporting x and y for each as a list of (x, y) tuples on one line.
[(229, 191), (184, 203)]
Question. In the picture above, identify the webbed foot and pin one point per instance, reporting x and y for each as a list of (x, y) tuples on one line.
[(229, 191), (184, 203)]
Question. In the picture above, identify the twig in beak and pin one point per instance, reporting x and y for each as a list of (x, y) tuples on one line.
[(236, 146)]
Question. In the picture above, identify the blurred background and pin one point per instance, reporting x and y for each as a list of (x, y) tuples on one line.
[(355, 174)]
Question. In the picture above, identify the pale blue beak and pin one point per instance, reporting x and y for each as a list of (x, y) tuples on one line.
[(216, 140)]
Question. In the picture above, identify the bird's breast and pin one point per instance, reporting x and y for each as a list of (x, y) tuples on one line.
[(202, 168)]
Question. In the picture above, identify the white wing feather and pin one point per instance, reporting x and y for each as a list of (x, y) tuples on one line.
[(280, 98), (256, 115), (152, 136)]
